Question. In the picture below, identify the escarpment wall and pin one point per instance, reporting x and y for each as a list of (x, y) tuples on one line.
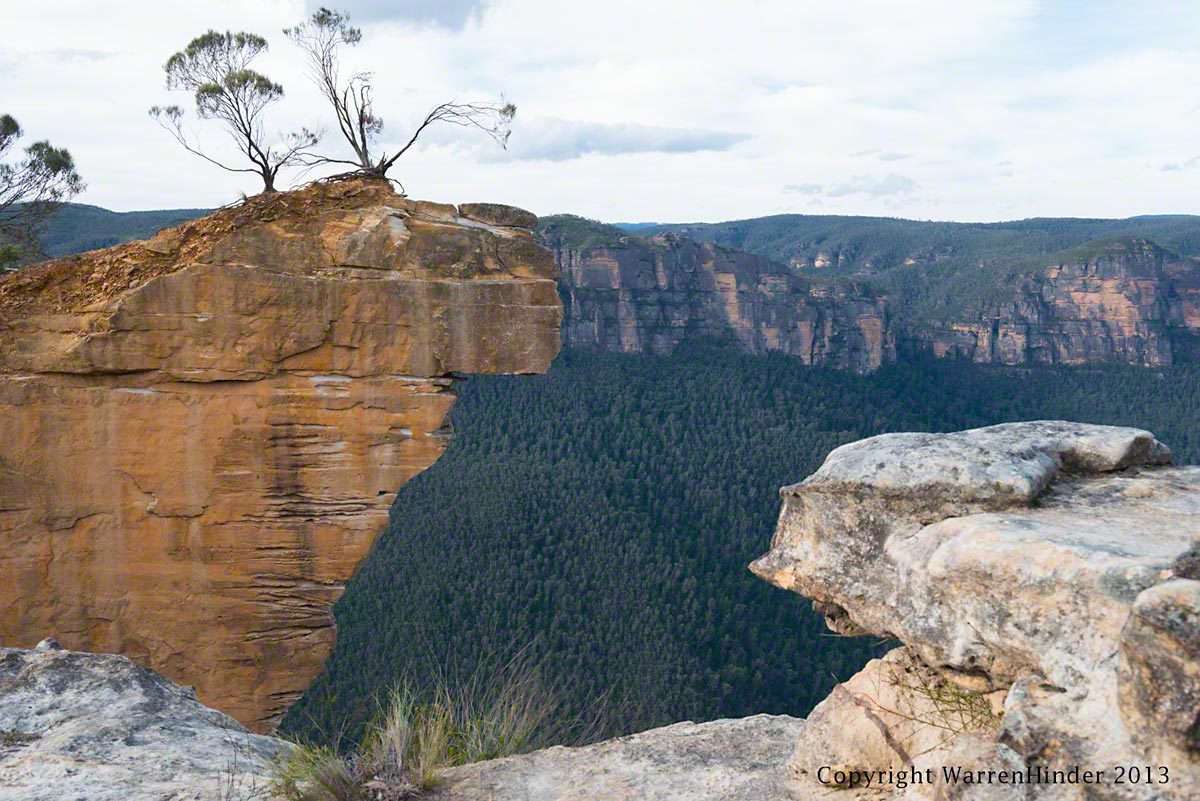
[(649, 295), (1128, 301), (204, 431), (1124, 301)]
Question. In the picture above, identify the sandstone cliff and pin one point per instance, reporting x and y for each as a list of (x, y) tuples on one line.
[(204, 431), (627, 294), (1043, 580), (1120, 301), (1125, 301)]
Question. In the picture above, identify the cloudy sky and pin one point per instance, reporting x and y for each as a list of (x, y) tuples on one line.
[(671, 111)]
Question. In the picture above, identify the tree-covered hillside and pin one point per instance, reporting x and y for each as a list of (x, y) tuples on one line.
[(931, 271), (78, 227), (878, 244), (602, 516)]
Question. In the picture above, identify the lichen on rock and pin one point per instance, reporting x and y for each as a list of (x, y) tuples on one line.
[(1035, 565), (97, 727)]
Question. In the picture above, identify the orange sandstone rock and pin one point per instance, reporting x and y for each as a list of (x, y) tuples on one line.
[(203, 432)]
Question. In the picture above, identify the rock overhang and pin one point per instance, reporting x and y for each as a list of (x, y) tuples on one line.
[(224, 412), (1047, 563)]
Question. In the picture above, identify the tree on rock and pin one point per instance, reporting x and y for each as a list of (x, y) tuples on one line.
[(31, 189), (215, 67), (321, 37)]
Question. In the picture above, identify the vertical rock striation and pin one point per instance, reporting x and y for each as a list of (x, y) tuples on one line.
[(628, 294), (1120, 301), (205, 430)]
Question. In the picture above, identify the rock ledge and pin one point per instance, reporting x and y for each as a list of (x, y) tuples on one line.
[(1042, 579)]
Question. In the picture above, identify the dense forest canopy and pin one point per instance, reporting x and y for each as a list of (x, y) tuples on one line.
[(78, 227), (602, 517)]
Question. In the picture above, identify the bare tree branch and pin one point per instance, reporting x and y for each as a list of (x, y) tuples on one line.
[(320, 38), (494, 119), (215, 67)]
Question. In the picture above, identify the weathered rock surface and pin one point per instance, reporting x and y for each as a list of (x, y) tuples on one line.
[(634, 295), (204, 431), (1044, 571), (97, 727), (725, 760), (1122, 301)]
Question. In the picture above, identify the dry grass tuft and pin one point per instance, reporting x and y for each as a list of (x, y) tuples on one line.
[(499, 711)]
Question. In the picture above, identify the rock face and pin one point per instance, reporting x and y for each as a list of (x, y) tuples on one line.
[(633, 295), (97, 727), (1122, 301), (1043, 578), (725, 760), (205, 430)]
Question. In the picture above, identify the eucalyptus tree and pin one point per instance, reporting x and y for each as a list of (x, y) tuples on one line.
[(322, 38), (31, 189), (215, 68)]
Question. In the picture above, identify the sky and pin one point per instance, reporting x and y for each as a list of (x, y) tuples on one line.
[(637, 110)]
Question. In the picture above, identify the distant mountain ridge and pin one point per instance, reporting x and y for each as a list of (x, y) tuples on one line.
[(79, 227), (1054, 291), (852, 292), (849, 245), (627, 293)]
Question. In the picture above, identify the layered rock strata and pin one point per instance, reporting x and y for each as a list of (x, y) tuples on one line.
[(633, 295), (1043, 579), (1123, 301), (204, 431)]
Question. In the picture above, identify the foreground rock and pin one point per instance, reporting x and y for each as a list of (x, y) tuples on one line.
[(725, 760), (97, 727), (1043, 579), (204, 431)]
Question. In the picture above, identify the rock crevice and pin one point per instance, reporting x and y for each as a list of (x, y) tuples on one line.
[(1031, 572)]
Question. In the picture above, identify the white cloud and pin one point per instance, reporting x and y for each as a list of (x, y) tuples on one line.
[(1180, 166), (549, 139), (453, 14), (633, 110), (890, 184), (868, 185), (804, 189)]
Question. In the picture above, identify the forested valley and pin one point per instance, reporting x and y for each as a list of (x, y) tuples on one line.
[(599, 520)]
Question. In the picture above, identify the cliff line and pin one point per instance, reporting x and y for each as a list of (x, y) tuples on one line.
[(1124, 300), (205, 430)]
